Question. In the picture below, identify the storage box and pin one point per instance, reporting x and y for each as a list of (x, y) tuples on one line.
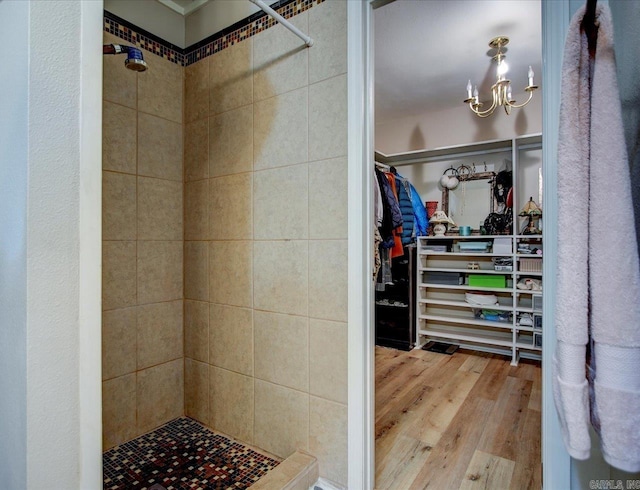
[(449, 278), (530, 265), (502, 245), (487, 281)]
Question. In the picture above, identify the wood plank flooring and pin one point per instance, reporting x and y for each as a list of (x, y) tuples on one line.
[(467, 421)]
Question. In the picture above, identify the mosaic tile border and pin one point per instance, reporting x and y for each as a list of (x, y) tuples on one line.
[(183, 454), (234, 34)]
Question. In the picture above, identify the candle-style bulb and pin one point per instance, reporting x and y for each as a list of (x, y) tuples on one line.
[(469, 89), (475, 91), (530, 75)]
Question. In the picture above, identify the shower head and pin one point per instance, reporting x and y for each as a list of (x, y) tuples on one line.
[(134, 59)]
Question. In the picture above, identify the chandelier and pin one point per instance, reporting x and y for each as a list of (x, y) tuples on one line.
[(501, 90)]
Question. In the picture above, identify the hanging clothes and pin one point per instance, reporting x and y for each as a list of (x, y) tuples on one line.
[(397, 250), (598, 281), (392, 217), (406, 208)]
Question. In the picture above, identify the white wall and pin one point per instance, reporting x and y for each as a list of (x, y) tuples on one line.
[(456, 126), (14, 18), (215, 16), (49, 259), (152, 16)]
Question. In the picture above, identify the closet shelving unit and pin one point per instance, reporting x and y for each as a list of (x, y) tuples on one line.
[(442, 313)]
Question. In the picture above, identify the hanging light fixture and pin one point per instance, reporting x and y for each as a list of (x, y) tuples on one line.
[(501, 90)]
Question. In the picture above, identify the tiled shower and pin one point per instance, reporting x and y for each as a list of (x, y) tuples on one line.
[(225, 241)]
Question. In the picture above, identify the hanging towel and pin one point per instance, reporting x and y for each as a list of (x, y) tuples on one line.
[(598, 278)]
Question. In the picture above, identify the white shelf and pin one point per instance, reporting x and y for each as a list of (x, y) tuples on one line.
[(464, 271), (463, 304), (481, 339), (479, 238), (462, 254), (466, 321), (464, 287)]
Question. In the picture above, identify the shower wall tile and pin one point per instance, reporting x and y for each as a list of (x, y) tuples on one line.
[(231, 338), (159, 271), (328, 359), (280, 62), (159, 209), (281, 419), (328, 199), (118, 274), (118, 410), (118, 342), (118, 206), (196, 91), (196, 210), (160, 333), (328, 28), (119, 84), (230, 78), (280, 203), (196, 330), (230, 207), (281, 276), (231, 142), (160, 394), (231, 273), (328, 279), (281, 347), (160, 88), (196, 150), (328, 118), (159, 148), (281, 130), (196, 271), (118, 137), (196, 390), (231, 403), (328, 438)]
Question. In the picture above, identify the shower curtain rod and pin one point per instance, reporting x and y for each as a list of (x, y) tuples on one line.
[(268, 10)]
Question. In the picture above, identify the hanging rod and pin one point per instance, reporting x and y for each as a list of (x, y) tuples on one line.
[(268, 10)]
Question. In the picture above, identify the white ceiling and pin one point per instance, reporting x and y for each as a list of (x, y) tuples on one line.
[(426, 50)]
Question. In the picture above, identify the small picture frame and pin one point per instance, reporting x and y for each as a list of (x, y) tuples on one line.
[(537, 322)]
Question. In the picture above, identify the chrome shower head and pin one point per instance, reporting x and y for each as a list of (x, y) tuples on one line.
[(134, 59)]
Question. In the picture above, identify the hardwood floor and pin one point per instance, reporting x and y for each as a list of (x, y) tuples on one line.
[(465, 421)]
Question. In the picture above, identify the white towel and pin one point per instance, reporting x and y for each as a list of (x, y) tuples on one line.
[(598, 300)]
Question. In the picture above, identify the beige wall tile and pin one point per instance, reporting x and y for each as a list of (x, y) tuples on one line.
[(119, 126), (328, 199), (118, 274), (328, 28), (328, 360), (231, 142), (231, 273), (160, 88), (328, 279), (196, 330), (118, 206), (160, 393), (281, 347), (196, 204), (231, 403), (280, 203), (281, 276), (159, 209), (118, 342), (280, 61), (231, 338), (196, 90), (196, 150), (230, 207), (230, 77), (328, 438), (159, 148), (196, 390), (328, 118), (159, 271), (160, 333), (118, 410), (196, 270), (280, 130), (281, 420), (118, 83)]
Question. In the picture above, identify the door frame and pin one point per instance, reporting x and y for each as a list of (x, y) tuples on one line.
[(361, 380)]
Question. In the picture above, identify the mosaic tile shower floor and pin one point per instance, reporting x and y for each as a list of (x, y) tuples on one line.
[(183, 454)]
